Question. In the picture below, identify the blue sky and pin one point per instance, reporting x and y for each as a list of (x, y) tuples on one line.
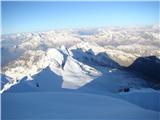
[(41, 16)]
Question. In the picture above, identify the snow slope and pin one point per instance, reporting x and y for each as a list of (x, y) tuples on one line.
[(145, 98), (46, 80), (57, 105)]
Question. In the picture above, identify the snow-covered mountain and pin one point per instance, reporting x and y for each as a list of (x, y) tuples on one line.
[(142, 41), (109, 62), (76, 65), (76, 52), (58, 60)]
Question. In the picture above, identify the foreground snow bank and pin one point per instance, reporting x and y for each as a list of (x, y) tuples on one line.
[(60, 105), (145, 98)]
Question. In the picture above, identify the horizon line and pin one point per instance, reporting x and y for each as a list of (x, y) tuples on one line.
[(86, 27)]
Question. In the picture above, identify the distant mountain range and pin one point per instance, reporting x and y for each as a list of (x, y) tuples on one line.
[(77, 57)]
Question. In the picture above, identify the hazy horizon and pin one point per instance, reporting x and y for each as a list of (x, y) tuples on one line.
[(37, 16)]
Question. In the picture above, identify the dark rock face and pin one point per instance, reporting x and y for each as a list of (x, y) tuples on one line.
[(147, 66)]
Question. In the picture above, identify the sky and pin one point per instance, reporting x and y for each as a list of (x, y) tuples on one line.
[(32, 16)]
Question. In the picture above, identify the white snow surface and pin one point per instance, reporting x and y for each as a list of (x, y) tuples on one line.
[(70, 106), (75, 74)]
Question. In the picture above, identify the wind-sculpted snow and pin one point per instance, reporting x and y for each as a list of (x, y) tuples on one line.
[(77, 74)]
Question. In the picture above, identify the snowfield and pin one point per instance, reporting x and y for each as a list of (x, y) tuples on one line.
[(102, 73), (53, 105)]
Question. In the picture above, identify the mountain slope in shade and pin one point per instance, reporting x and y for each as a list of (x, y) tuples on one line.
[(147, 66), (4, 80), (46, 80)]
